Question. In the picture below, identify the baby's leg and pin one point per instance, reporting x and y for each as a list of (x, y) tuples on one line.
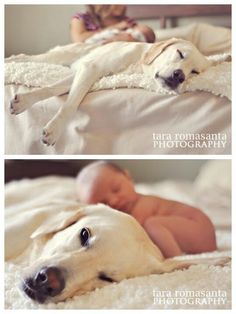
[(175, 235), (162, 237)]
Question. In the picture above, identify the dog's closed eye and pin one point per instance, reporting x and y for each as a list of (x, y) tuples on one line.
[(85, 234), (194, 72), (180, 54), (103, 276)]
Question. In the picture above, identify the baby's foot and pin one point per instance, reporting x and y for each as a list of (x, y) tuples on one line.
[(21, 102)]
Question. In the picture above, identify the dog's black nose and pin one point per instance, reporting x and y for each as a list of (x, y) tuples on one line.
[(48, 282), (175, 79), (178, 75)]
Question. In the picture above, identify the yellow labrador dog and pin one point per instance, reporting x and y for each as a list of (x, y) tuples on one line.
[(76, 250), (171, 62)]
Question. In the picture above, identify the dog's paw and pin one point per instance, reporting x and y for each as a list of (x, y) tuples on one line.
[(48, 138), (50, 135), (14, 107), (18, 104)]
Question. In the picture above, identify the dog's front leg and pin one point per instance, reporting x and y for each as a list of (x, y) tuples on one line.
[(84, 78), (170, 265), (23, 101)]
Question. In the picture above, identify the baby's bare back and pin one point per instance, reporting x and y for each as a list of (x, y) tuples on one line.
[(148, 206), (175, 227)]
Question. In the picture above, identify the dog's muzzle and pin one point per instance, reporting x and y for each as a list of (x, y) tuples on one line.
[(48, 282), (174, 80)]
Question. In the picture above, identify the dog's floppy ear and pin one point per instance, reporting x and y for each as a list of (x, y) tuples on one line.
[(156, 49), (58, 221)]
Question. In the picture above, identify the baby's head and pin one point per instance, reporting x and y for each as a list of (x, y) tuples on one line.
[(147, 33), (104, 182)]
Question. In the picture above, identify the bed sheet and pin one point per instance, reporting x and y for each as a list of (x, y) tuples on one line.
[(139, 292), (125, 121)]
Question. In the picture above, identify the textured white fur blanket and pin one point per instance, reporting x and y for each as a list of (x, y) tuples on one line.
[(140, 292), (154, 291), (216, 79)]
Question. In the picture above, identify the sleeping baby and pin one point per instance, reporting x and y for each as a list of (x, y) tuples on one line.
[(176, 228), (139, 33)]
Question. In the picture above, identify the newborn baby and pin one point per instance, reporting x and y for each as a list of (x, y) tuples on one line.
[(176, 228), (140, 33)]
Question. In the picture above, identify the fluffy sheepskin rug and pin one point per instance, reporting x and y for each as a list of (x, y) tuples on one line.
[(195, 288), (216, 79)]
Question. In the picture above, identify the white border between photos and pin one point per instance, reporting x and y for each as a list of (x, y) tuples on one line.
[(3, 157)]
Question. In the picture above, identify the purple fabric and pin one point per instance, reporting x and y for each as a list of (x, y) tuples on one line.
[(90, 25)]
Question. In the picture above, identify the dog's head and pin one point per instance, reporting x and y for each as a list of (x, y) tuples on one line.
[(89, 249), (173, 62)]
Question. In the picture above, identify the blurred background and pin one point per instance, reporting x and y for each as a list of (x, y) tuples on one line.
[(140, 170), (33, 29)]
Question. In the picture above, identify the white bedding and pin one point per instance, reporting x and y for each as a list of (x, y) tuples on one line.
[(136, 293), (128, 121), (124, 121)]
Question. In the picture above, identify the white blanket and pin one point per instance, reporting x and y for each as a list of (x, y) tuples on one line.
[(136, 293), (216, 79), (210, 40)]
